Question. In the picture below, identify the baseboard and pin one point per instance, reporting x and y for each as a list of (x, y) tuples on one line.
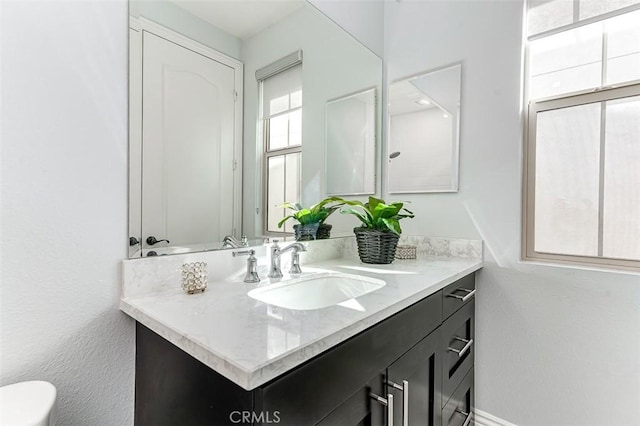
[(482, 418)]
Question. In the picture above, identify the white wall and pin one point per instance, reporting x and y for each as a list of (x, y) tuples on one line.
[(555, 345), (64, 205)]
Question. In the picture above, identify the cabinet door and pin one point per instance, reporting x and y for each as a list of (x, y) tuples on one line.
[(418, 372), (360, 409)]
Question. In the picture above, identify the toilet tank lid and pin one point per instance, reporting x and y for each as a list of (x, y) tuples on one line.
[(27, 403)]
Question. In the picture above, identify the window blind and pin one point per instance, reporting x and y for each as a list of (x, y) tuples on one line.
[(282, 92)]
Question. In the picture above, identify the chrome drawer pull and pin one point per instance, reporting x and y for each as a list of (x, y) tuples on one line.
[(405, 399), (388, 402), (466, 347), (469, 295), (467, 415)]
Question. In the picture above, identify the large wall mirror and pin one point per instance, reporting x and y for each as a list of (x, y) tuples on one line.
[(424, 132), (198, 168)]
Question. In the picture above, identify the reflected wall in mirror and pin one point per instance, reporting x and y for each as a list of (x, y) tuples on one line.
[(351, 144), (197, 140), (424, 128)]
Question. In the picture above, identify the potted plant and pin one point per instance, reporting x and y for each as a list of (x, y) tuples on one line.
[(378, 236), (311, 224)]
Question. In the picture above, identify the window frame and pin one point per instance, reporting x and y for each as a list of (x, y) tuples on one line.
[(267, 154), (530, 110), (533, 107)]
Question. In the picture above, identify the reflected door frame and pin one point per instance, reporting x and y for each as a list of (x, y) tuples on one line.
[(136, 28)]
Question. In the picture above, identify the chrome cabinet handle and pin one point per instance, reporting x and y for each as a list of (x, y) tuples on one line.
[(388, 402), (404, 388), (467, 415), (469, 295), (466, 347)]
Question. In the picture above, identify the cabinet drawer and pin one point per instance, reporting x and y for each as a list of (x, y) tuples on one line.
[(456, 295), (459, 409), (457, 348)]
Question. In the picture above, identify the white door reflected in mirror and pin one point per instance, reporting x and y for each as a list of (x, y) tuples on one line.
[(424, 123), (185, 140)]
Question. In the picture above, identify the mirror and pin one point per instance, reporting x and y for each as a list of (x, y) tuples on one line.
[(351, 144), (197, 163), (424, 132)]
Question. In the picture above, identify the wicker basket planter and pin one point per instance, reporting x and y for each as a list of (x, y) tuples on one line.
[(375, 246), (312, 232)]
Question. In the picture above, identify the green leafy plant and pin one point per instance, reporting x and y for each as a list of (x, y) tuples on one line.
[(377, 215), (317, 213)]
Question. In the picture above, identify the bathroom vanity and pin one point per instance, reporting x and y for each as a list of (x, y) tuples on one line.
[(402, 354)]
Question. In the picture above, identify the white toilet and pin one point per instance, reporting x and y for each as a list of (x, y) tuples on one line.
[(28, 404)]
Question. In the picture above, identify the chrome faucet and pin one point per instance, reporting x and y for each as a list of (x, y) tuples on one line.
[(276, 252), (231, 241)]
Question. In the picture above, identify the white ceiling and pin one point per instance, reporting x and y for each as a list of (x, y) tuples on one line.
[(241, 19)]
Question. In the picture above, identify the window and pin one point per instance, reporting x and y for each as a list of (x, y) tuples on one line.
[(282, 133), (582, 159)]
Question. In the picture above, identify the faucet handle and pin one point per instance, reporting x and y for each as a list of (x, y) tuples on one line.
[(295, 262), (252, 266)]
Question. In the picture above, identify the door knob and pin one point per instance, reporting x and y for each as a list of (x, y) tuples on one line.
[(133, 241), (153, 241)]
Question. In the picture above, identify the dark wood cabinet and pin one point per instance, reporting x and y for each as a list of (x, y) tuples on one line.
[(333, 388)]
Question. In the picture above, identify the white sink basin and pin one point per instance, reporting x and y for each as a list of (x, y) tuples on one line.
[(316, 291)]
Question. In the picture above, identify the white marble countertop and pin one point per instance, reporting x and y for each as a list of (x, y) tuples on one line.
[(251, 343)]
